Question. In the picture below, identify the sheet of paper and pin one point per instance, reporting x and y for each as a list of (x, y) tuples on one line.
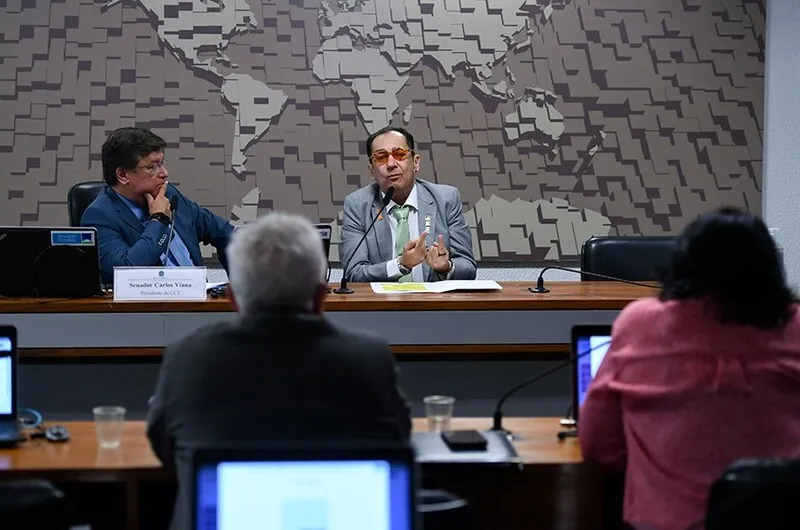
[(435, 287)]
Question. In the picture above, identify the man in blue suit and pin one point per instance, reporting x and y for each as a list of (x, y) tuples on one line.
[(133, 214)]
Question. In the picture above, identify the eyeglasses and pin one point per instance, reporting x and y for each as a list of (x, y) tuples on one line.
[(382, 157), (154, 168)]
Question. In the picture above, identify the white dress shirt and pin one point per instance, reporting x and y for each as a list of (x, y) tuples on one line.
[(392, 270)]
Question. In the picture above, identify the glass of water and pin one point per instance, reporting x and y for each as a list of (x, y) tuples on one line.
[(108, 422), (439, 410)]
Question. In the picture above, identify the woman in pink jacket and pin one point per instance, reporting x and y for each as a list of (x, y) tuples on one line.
[(704, 375)]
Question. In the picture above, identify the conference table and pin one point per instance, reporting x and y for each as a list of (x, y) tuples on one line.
[(554, 490), (506, 324), (128, 488)]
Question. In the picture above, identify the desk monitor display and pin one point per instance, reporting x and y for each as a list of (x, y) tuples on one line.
[(38, 261), (325, 232), (585, 368), (9, 429), (303, 488)]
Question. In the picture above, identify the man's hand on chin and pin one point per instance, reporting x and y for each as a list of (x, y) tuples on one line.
[(159, 203)]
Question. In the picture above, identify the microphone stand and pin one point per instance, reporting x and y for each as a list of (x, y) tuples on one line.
[(387, 198), (173, 206), (540, 288), (497, 423)]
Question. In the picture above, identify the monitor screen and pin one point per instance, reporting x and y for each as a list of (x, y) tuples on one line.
[(310, 495), (6, 377), (587, 365)]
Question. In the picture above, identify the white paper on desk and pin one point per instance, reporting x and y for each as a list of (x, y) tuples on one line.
[(435, 287), (211, 285)]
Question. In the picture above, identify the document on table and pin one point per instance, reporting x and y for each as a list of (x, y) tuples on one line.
[(435, 287)]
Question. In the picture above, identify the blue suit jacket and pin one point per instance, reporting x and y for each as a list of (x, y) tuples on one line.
[(125, 242)]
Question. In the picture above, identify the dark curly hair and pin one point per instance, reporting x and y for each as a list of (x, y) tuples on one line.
[(729, 257)]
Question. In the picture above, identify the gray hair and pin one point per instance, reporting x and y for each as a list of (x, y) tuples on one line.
[(278, 261)]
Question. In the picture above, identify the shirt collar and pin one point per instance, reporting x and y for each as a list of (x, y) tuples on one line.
[(410, 201), (135, 208)]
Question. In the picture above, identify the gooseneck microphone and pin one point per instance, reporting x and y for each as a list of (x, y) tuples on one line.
[(497, 424), (173, 206), (387, 198), (540, 288)]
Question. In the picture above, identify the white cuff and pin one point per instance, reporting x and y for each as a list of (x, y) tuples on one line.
[(452, 270), (392, 270)]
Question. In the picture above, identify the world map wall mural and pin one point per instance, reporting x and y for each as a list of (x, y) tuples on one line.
[(556, 119)]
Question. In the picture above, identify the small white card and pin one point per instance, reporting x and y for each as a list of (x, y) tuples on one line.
[(159, 283)]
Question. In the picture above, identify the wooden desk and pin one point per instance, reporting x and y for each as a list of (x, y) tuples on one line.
[(511, 322), (81, 457), (554, 490)]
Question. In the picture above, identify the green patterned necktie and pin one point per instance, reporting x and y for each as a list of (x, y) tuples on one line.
[(401, 214)]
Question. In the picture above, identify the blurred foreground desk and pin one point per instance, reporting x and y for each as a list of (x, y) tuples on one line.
[(127, 487), (512, 323)]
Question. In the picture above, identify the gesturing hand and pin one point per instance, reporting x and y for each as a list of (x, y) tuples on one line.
[(438, 257), (414, 251)]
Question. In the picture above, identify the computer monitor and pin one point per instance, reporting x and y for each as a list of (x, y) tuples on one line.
[(325, 233), (584, 338), (319, 486), (9, 428), (38, 261)]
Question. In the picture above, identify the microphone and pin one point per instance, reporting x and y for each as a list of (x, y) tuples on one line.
[(540, 288), (387, 198), (173, 206), (497, 424)]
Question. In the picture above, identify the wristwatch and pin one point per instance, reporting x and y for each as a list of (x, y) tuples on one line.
[(444, 274), (161, 217), (403, 269)]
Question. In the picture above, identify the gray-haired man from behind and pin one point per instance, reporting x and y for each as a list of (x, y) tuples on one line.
[(278, 371)]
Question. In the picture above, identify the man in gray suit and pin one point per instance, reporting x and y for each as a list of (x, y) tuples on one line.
[(422, 236), (280, 370)]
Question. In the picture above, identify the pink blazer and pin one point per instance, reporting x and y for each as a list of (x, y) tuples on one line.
[(680, 396)]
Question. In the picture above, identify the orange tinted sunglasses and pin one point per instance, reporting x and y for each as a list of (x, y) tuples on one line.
[(382, 157)]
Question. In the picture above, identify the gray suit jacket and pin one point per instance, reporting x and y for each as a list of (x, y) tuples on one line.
[(438, 202)]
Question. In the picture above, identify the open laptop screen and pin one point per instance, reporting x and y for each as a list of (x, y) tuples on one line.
[(304, 495), (7, 379), (585, 338)]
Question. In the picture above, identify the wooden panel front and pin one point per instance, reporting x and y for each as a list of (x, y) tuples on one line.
[(402, 352)]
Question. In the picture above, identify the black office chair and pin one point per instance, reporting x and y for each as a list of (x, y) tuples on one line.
[(633, 258), (755, 494), (80, 196), (31, 503), (441, 510)]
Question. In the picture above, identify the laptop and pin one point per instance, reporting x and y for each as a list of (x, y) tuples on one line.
[(9, 424), (37, 261), (319, 486), (585, 338)]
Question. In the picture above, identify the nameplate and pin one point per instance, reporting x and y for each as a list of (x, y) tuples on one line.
[(177, 284)]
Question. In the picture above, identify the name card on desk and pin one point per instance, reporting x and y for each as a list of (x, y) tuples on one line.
[(159, 284)]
